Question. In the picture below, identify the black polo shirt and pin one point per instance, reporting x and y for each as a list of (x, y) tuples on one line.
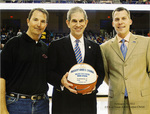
[(24, 65)]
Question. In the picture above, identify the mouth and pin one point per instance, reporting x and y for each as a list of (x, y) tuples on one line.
[(78, 29), (121, 27), (38, 29)]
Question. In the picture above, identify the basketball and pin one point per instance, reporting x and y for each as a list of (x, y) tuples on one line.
[(83, 77)]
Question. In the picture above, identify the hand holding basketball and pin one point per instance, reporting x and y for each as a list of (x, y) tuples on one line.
[(65, 83), (83, 77)]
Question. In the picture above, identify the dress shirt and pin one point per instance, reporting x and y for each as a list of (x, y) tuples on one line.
[(126, 40), (82, 49), (81, 45)]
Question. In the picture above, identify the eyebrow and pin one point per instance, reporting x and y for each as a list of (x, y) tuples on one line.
[(76, 19)]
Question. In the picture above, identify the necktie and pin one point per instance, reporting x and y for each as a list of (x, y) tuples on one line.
[(78, 52), (123, 48)]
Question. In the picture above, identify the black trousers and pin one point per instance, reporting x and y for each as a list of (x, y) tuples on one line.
[(69, 103)]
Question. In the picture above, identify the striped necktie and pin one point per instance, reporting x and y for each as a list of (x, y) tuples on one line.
[(78, 52), (123, 48)]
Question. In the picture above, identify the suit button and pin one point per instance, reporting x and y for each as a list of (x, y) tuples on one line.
[(125, 65), (125, 78)]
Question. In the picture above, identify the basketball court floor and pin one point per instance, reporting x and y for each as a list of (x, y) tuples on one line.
[(101, 105)]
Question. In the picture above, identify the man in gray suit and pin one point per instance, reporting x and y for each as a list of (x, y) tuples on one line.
[(127, 66)]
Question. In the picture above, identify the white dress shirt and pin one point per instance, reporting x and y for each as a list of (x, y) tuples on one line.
[(82, 48), (81, 45)]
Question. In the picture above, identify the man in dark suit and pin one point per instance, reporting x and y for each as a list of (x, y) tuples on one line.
[(62, 57)]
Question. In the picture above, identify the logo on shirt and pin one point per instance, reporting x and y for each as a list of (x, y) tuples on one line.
[(44, 56)]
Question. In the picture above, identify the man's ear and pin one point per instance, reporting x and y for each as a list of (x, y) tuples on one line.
[(68, 23), (112, 24), (28, 21), (86, 22), (131, 21)]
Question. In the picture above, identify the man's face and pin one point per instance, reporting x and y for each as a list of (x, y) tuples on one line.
[(121, 23), (37, 23), (77, 24)]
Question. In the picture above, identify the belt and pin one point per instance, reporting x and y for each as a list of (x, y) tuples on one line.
[(23, 96)]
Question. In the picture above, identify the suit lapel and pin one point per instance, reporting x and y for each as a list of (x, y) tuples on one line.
[(132, 43), (115, 47), (88, 49), (69, 50)]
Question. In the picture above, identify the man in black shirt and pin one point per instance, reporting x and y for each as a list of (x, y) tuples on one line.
[(24, 69)]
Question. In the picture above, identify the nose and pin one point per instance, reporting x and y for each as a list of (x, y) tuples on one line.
[(39, 23), (78, 23), (120, 21)]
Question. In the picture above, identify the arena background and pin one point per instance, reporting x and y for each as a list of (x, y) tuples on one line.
[(14, 15)]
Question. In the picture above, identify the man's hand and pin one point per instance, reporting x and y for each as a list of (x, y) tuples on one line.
[(90, 91), (68, 85)]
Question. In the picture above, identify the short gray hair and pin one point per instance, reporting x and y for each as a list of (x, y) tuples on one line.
[(74, 10)]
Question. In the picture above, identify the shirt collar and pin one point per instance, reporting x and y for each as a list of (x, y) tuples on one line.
[(28, 38), (126, 38), (81, 40)]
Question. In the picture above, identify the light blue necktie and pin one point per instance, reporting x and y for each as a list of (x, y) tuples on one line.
[(78, 52), (123, 48)]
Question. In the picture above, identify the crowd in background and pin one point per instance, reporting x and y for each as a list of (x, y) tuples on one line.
[(80, 1), (48, 36)]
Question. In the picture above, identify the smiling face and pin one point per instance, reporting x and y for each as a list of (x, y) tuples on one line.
[(77, 24), (36, 24), (121, 23)]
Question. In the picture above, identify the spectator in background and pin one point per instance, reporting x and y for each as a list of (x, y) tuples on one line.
[(133, 32), (3, 38), (47, 41), (10, 33), (147, 2), (19, 32), (24, 62), (99, 40), (148, 34), (105, 39)]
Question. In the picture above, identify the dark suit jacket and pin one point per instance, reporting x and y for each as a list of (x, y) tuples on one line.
[(61, 58)]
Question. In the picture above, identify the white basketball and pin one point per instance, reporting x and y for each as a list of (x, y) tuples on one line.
[(83, 77)]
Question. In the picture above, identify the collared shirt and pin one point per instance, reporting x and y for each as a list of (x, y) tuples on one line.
[(82, 48), (24, 65), (81, 44), (126, 40)]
